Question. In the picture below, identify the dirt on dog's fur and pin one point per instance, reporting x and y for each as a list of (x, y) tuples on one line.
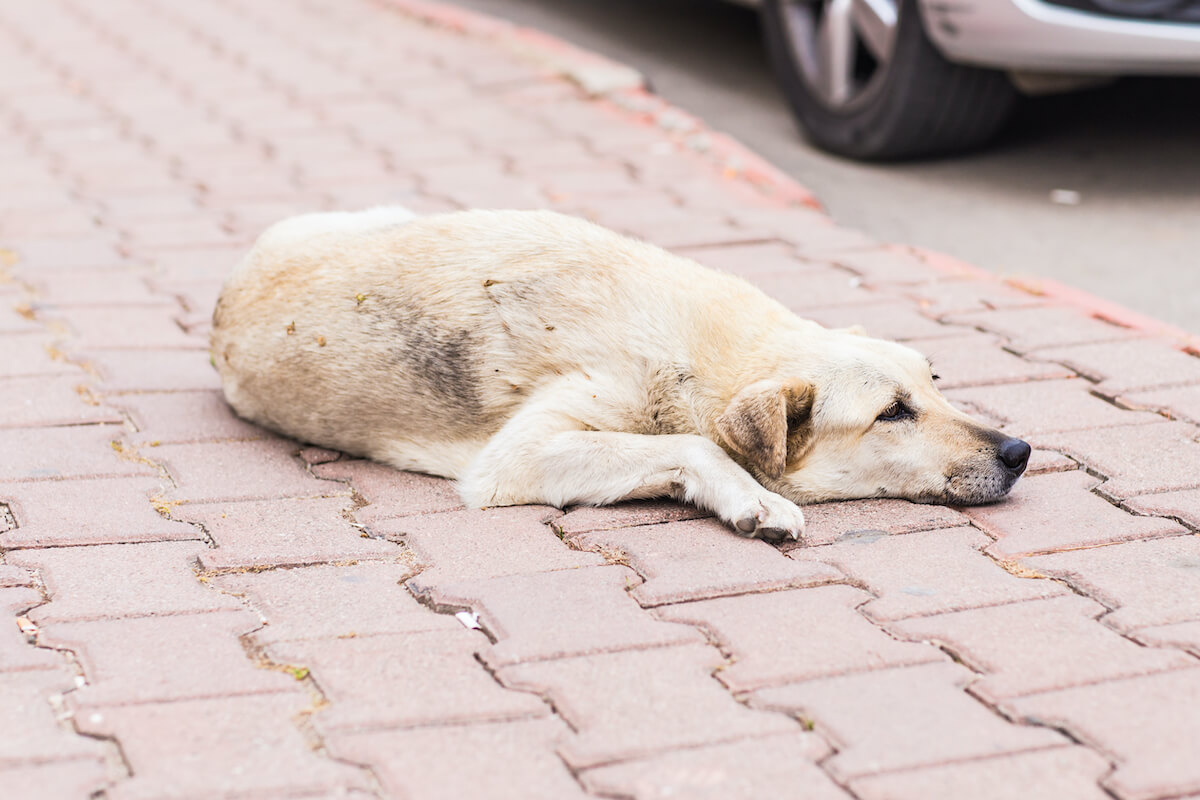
[(538, 358)]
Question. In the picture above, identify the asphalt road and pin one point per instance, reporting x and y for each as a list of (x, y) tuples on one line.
[(1131, 150)]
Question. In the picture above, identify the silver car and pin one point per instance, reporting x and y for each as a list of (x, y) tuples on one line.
[(891, 79)]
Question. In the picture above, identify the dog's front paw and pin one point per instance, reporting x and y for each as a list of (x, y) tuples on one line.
[(773, 518)]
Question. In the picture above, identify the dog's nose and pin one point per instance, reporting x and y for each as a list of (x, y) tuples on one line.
[(1014, 454)]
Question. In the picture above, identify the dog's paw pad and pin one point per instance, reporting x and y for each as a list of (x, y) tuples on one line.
[(747, 525)]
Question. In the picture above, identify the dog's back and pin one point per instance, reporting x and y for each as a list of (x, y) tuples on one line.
[(361, 331)]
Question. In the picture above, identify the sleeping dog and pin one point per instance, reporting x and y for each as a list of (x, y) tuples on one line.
[(539, 358)]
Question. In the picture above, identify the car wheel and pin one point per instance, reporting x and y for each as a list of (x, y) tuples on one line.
[(864, 80)]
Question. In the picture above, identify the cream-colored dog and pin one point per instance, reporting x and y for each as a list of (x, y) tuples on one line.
[(538, 358)]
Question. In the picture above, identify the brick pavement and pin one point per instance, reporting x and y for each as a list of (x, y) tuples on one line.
[(199, 609)]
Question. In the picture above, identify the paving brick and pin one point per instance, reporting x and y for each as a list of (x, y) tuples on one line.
[(16, 652), (284, 531), (1128, 365), (501, 761), (125, 328), (334, 602), (407, 680), (899, 321), (1050, 513), (819, 289), (1179, 403), (941, 297), (119, 580), (979, 360), (1181, 635), (1038, 646), (833, 522), (71, 288), (32, 354), (150, 370), (390, 492), (812, 233), (82, 511), (792, 636), (1028, 329), (1139, 721), (54, 779), (581, 519), (1153, 582), (750, 259), (472, 545), (1136, 459), (54, 453), (641, 702), (1043, 462), (886, 265), (697, 559), (219, 748), (872, 719), (31, 732), (78, 252), (173, 417), (1057, 773), (929, 572), (161, 659), (50, 401), (570, 612), (197, 229), (1046, 406), (210, 472), (197, 263), (751, 768)]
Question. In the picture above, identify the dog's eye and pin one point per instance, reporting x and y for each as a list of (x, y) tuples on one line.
[(895, 412), (937, 377)]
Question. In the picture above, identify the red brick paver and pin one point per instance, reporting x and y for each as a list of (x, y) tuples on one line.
[(199, 608)]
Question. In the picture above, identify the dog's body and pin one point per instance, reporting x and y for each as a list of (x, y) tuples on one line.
[(538, 358)]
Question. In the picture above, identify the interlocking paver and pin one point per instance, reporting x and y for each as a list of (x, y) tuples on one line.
[(1038, 646), (1181, 635), (1132, 720), (582, 519), (406, 680), (559, 614), (958, 295), (119, 580), (220, 747), (284, 531), (31, 732), (1136, 459), (976, 359), (903, 718), (929, 572), (56, 779), (29, 354), (1028, 329), (334, 601), (1057, 773), (1046, 407), (1148, 583), (886, 320), (462, 546), (149, 370), (696, 559), (1179, 403), (513, 760), (792, 636), (1050, 513), (887, 265), (641, 702), (390, 492), (175, 417), (1129, 365), (833, 522), (30, 454), (51, 401), (88, 511), (209, 472), (780, 767), (160, 659), (58, 290), (16, 652), (127, 328), (820, 288)]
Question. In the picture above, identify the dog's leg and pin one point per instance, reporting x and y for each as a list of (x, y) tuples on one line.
[(545, 456)]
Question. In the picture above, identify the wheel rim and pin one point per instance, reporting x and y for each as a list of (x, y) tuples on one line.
[(842, 47)]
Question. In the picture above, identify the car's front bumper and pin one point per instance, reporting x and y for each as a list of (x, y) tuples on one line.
[(1034, 36)]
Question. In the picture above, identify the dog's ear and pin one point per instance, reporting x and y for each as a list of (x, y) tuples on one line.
[(853, 330), (757, 421)]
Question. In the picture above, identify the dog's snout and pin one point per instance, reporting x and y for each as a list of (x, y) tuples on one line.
[(1014, 454)]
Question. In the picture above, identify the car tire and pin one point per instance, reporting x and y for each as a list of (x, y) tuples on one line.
[(868, 86)]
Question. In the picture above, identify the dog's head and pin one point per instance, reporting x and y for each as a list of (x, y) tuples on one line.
[(859, 417)]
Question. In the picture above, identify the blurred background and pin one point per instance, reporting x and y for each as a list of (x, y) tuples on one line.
[(1098, 187)]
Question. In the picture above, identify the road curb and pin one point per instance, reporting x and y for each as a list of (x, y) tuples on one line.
[(626, 90)]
